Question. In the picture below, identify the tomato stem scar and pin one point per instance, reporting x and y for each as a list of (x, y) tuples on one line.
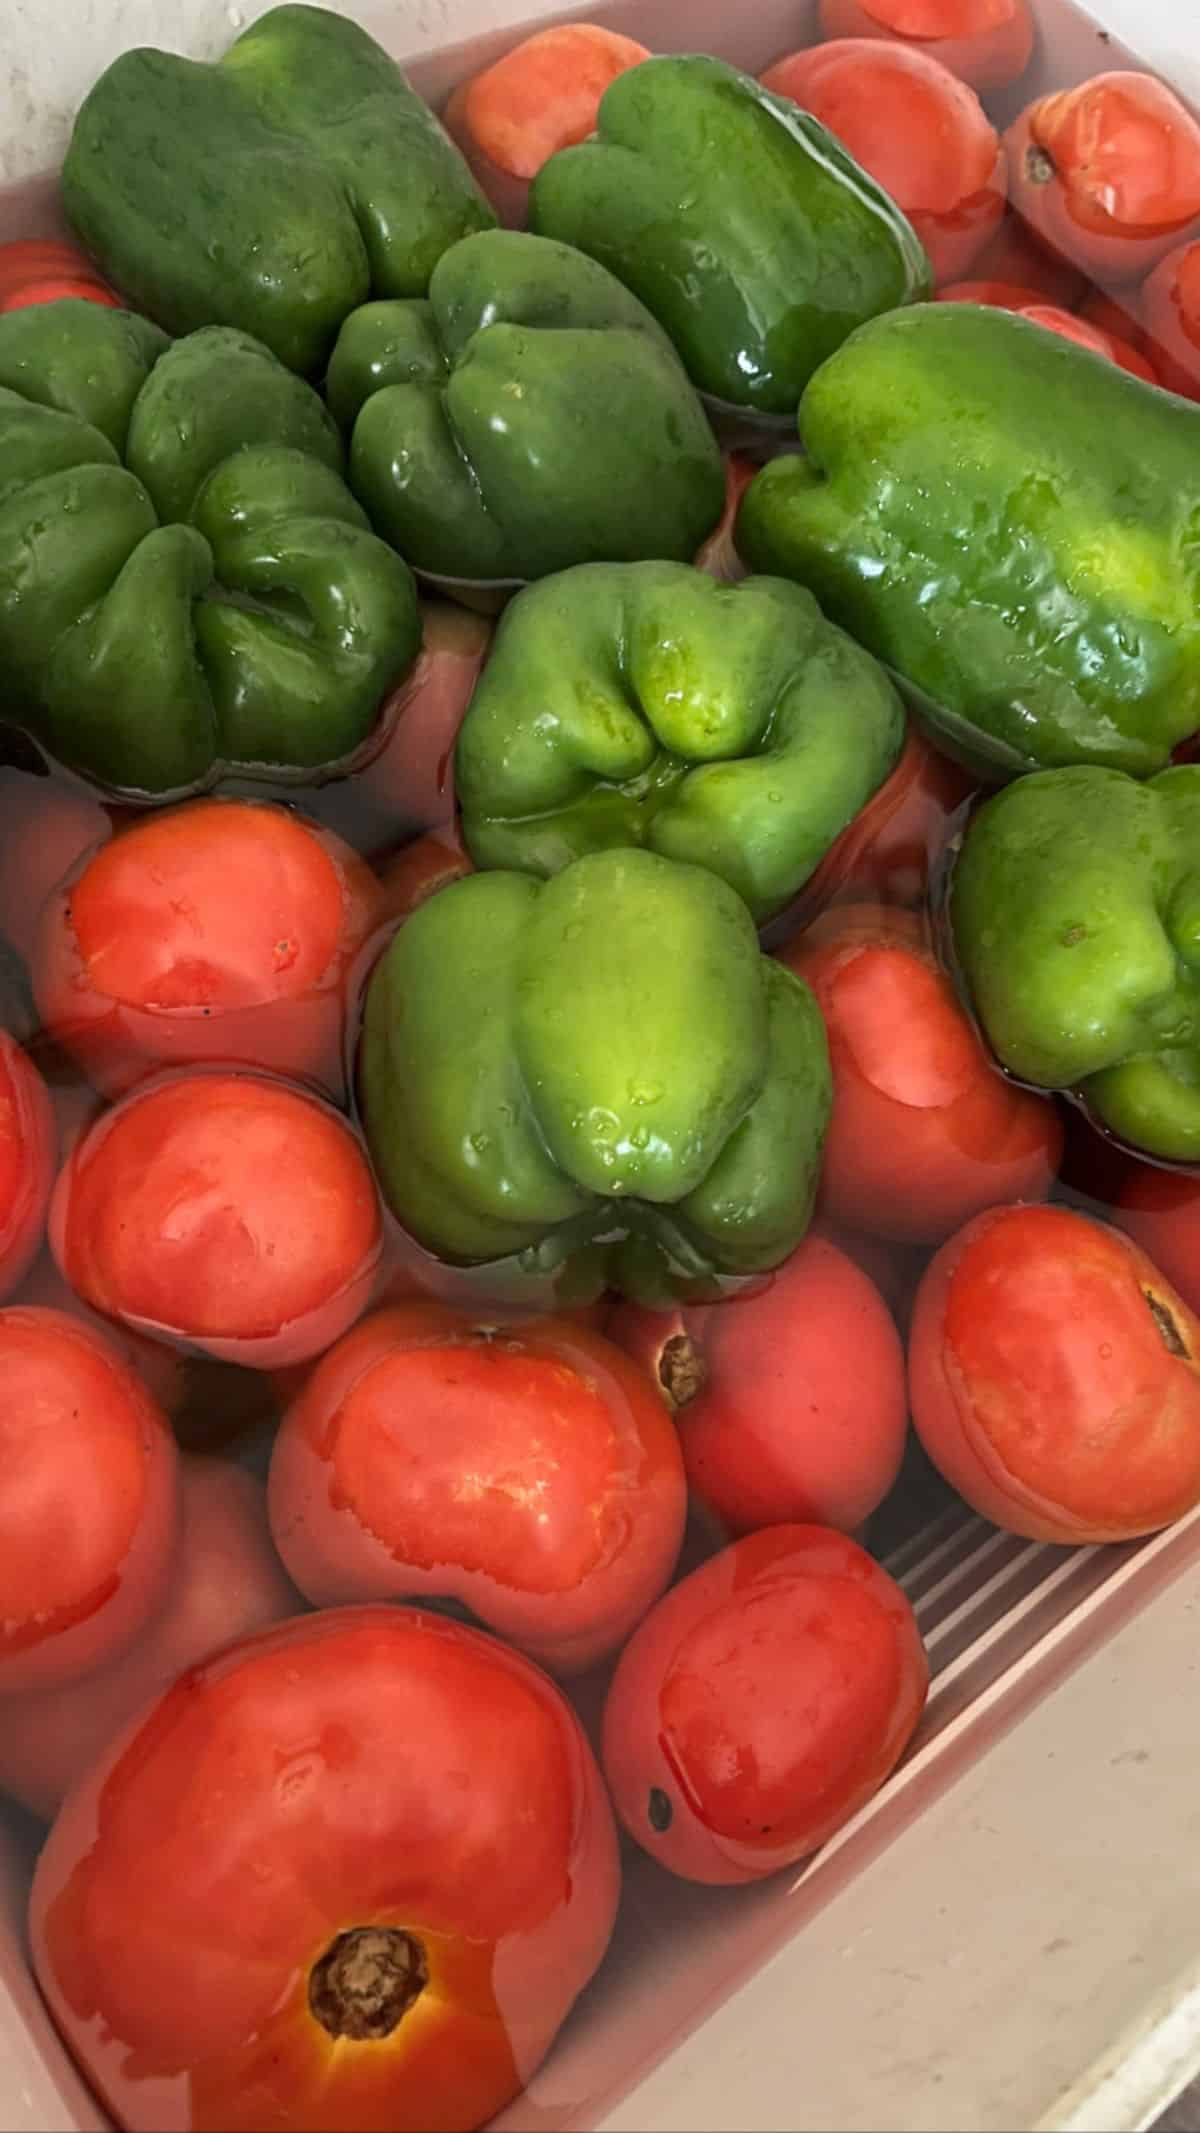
[(366, 1981), (682, 1370), (1172, 1339)]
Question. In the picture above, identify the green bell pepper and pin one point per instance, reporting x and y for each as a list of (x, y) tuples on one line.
[(730, 726), (600, 1073), (274, 190), (1007, 520), (529, 416), (186, 582), (1075, 908), (738, 219)]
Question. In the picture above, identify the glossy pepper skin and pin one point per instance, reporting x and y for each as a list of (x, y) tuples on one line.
[(529, 416), (1007, 521), (600, 1073), (1075, 909), (755, 240), (729, 726), (186, 582)]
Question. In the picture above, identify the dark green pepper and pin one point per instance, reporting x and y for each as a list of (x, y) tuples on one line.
[(529, 416), (274, 190), (1010, 523), (738, 219), (645, 704), (1075, 906), (600, 1073), (185, 580)]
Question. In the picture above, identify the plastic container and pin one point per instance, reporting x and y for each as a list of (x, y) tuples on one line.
[(1009, 1935)]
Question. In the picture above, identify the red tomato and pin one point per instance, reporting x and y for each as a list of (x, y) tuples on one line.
[(542, 96), (27, 1150), (996, 295), (532, 1474), (1108, 173), (347, 1877), (1121, 320), (1053, 1378), (88, 1511), (222, 931), (916, 129), (889, 849), (1091, 337), (895, 1269), (988, 43), (226, 1582), (1015, 256), (229, 1211), (925, 1130), (1161, 1211), (761, 1704), (1171, 310), (46, 826), (163, 1371), (42, 270), (774, 1427), (426, 865), (718, 555)]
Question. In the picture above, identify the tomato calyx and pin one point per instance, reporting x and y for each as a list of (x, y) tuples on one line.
[(682, 1370), (1167, 1324), (366, 1981)]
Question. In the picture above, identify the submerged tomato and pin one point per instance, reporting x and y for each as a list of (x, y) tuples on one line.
[(88, 1509), (530, 1473), (1095, 338), (1160, 1209), (761, 1704), (996, 295), (46, 826), (348, 1877), (1015, 256), (1170, 305), (1108, 173), (1054, 1376), (43, 270), (988, 43), (774, 1426), (916, 129), (231, 1211), (718, 555), (27, 1145), (890, 849), (226, 1582), (224, 931), (426, 865), (541, 96), (925, 1130)]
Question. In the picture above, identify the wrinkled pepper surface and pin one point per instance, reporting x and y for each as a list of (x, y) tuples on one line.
[(601, 1073), (186, 581), (1075, 908), (529, 416), (273, 190), (738, 219), (1010, 523), (730, 726)]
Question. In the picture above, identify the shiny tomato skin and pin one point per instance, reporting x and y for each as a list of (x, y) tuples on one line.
[(42, 270), (1170, 305), (775, 1428), (367, 1770), (761, 1704), (1108, 173), (888, 852), (718, 556), (223, 931), (46, 828), (423, 867), (28, 1139), (917, 129), (1053, 1378), (530, 1473), (988, 43), (925, 1130), (1160, 1210), (234, 1212), (89, 1506), (226, 1582)]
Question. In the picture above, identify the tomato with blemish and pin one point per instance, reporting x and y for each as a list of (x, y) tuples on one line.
[(1108, 173)]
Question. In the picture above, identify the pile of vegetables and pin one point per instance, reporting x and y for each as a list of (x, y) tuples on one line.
[(598, 906)]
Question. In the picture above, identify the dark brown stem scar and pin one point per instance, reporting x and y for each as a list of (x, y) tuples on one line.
[(682, 1370), (1039, 167), (366, 1981), (1164, 1318), (660, 1810)]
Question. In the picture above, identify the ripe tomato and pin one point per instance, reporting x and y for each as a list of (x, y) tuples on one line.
[(223, 931), (530, 1473), (917, 130), (542, 96), (226, 1582), (88, 1511), (761, 1704), (1160, 1209), (1015, 256), (888, 851), (718, 555), (230, 1211), (27, 1147), (774, 1427), (1095, 338), (1054, 1380), (925, 1130), (988, 43), (1170, 304), (1108, 173), (46, 826), (426, 865), (348, 1877), (1122, 320), (996, 295), (43, 270)]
